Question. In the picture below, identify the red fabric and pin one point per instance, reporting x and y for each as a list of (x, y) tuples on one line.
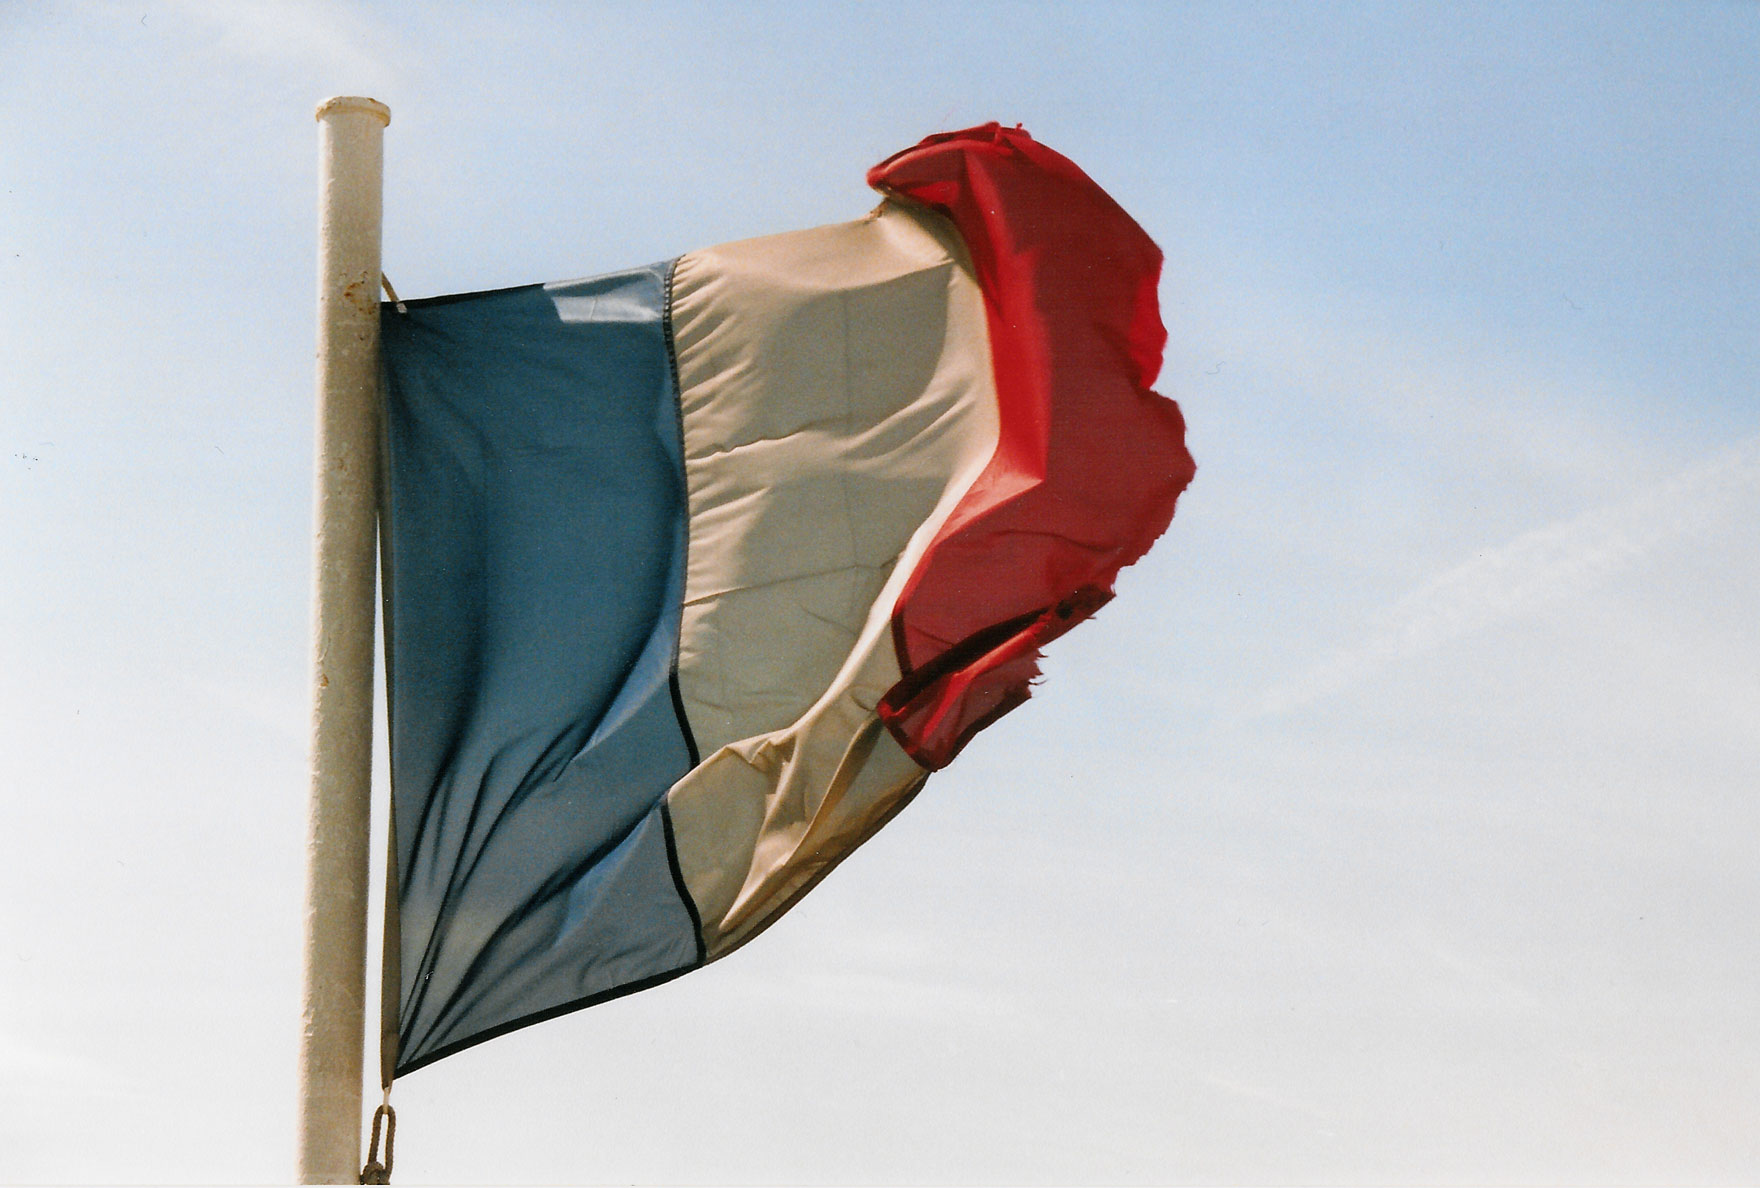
[(1090, 461)]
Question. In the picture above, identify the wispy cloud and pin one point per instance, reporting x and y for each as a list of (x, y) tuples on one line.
[(1539, 569), (1235, 1086), (333, 39), (880, 974), (1421, 374), (30, 1071)]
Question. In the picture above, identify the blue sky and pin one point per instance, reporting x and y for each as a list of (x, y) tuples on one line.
[(1396, 821)]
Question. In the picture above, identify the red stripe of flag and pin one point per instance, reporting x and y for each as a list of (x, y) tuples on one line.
[(1089, 462)]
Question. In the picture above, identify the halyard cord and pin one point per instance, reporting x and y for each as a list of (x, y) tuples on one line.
[(392, 293)]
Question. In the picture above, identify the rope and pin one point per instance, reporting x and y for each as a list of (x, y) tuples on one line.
[(392, 293), (376, 1172)]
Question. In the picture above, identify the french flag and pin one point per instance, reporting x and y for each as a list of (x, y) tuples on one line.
[(694, 572)]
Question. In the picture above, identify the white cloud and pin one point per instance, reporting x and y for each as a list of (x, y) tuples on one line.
[(1425, 376), (329, 37), (31, 1072), (1542, 568)]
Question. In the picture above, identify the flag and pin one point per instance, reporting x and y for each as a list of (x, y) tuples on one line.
[(694, 572)]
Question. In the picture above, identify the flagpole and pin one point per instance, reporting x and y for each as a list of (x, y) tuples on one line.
[(332, 1000)]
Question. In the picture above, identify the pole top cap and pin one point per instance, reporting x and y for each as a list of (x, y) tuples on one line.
[(350, 103)]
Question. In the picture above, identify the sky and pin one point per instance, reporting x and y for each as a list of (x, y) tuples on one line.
[(1395, 824)]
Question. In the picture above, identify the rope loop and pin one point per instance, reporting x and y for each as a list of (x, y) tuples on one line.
[(376, 1172)]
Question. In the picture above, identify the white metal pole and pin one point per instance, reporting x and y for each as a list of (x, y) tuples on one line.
[(351, 134)]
